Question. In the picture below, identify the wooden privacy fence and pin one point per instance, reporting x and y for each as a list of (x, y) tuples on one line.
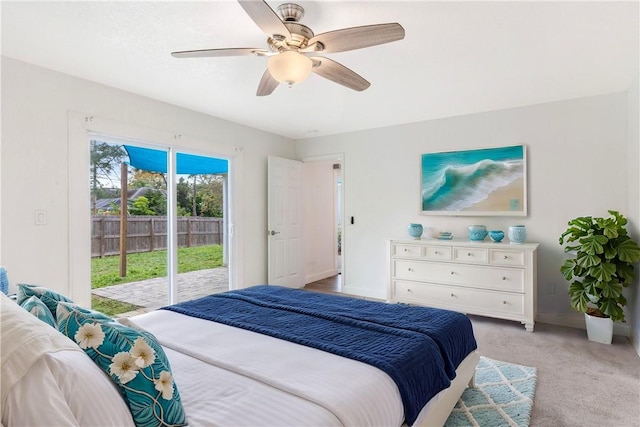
[(149, 233)]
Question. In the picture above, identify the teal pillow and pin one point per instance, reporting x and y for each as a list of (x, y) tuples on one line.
[(135, 361), (4, 281), (93, 314), (36, 307), (48, 296)]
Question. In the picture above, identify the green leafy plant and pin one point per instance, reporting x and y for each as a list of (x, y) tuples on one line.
[(603, 265)]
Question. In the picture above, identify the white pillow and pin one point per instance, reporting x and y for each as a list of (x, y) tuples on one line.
[(46, 379), (65, 389)]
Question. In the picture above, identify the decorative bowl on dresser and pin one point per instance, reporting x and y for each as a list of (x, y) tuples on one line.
[(496, 235), (483, 278)]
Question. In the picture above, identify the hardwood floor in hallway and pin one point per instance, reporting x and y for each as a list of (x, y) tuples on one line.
[(330, 285)]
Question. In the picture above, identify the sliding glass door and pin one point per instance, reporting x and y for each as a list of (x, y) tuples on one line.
[(157, 226)]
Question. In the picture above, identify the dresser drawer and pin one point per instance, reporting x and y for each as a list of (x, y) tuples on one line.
[(459, 298), (494, 278), (471, 255), (406, 251), (505, 257), (437, 253)]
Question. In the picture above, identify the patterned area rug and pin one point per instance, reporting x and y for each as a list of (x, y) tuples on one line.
[(503, 396)]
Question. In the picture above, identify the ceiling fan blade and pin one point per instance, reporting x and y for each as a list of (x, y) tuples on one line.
[(265, 18), (358, 37), (203, 53), (267, 84), (336, 72)]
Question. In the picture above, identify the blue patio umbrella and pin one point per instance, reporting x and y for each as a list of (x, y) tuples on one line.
[(152, 160)]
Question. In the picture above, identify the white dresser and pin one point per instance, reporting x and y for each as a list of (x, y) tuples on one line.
[(484, 278)]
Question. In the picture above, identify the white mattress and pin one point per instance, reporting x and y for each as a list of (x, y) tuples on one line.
[(230, 376)]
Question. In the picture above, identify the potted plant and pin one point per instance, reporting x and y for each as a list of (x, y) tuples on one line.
[(602, 267)]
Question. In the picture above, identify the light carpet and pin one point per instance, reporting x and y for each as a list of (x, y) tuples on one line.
[(503, 396)]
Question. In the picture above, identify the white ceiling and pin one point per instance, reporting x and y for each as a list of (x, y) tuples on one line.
[(457, 57)]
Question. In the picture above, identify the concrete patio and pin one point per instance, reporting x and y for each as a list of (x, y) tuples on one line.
[(153, 293)]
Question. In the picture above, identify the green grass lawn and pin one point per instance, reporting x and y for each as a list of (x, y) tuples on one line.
[(147, 265), (111, 307)]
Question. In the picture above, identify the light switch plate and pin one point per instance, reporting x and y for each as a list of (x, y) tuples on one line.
[(41, 217)]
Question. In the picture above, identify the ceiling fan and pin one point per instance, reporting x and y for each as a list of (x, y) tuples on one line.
[(294, 48)]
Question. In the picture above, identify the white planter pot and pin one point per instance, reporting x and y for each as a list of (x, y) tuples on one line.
[(599, 329)]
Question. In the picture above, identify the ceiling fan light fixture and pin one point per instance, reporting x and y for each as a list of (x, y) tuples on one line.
[(290, 67), (290, 42)]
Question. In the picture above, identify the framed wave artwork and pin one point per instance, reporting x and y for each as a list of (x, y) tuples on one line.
[(491, 181)]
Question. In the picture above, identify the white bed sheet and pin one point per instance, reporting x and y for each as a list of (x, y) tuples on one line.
[(231, 376)]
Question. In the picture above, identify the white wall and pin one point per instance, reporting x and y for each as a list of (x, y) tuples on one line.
[(576, 151), (633, 115), (579, 157), (36, 170)]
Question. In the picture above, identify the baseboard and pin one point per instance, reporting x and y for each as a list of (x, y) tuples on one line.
[(364, 293), (577, 321)]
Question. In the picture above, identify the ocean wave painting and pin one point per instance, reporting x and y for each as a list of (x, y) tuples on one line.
[(487, 181)]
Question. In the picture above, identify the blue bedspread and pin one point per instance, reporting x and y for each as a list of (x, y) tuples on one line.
[(418, 347)]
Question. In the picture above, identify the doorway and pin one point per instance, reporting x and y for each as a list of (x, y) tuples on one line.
[(323, 201), (160, 227)]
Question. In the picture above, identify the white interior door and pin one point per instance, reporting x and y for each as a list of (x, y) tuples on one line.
[(286, 257)]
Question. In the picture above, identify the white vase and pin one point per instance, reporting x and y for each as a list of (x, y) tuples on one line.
[(599, 329), (517, 234)]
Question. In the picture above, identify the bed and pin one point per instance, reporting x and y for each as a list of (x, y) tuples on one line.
[(268, 355)]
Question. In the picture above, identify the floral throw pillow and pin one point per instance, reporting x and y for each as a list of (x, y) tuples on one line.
[(48, 296), (134, 360), (68, 306), (36, 307)]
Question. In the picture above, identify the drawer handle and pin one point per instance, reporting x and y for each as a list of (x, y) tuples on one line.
[(504, 278), (453, 272), (409, 290), (409, 269), (506, 257), (405, 249), (469, 254), (504, 302), (453, 295), (436, 252)]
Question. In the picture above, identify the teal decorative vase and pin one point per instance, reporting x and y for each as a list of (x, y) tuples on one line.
[(517, 234), (415, 231), (477, 233)]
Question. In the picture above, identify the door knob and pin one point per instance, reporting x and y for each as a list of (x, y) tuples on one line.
[(273, 233)]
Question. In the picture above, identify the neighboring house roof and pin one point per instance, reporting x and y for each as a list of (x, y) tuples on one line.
[(107, 204)]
